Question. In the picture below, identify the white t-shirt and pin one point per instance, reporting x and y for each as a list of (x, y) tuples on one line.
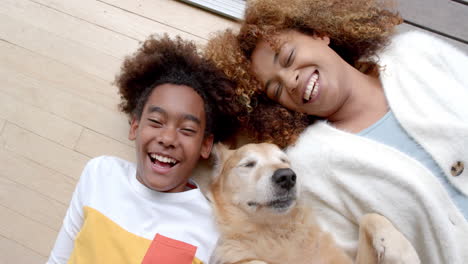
[(113, 218)]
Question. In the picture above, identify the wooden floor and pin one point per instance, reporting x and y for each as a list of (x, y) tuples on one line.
[(58, 107)]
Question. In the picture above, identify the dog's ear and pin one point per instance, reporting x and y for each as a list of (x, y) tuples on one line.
[(219, 154)]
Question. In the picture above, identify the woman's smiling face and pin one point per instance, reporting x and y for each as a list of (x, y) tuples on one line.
[(303, 75)]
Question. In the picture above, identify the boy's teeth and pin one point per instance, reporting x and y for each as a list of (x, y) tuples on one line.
[(162, 158)]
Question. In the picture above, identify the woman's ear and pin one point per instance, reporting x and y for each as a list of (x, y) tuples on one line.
[(325, 39)]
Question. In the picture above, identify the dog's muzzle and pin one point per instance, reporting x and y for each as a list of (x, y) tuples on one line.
[(284, 178)]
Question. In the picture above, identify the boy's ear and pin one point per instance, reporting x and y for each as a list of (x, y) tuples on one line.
[(206, 147), (133, 128)]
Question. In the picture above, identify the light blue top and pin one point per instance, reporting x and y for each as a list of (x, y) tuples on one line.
[(388, 131)]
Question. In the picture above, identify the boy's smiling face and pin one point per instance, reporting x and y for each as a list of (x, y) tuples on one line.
[(170, 137)]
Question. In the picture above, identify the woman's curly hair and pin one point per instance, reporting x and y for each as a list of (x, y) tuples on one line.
[(357, 29), (161, 60)]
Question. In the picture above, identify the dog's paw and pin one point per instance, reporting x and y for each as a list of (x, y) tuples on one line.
[(394, 250), (390, 246)]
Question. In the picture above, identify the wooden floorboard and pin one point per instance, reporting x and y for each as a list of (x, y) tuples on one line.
[(55, 74), (116, 19), (175, 14), (446, 17), (18, 199), (94, 144), (45, 124), (43, 151), (69, 52), (70, 29), (26, 232), (35, 176), (2, 125), (66, 105), (12, 252)]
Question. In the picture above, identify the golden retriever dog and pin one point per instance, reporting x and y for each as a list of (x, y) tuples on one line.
[(261, 218)]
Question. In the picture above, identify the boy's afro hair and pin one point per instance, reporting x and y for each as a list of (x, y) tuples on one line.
[(162, 60)]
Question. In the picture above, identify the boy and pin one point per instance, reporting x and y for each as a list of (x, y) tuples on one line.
[(151, 212)]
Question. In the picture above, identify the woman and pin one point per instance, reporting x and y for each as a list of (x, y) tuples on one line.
[(376, 122)]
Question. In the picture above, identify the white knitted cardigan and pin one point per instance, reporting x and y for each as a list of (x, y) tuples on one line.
[(346, 176)]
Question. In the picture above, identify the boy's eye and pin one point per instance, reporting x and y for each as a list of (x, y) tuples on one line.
[(155, 121), (189, 131)]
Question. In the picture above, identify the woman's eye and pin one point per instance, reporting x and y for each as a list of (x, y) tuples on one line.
[(278, 89), (290, 58), (274, 91)]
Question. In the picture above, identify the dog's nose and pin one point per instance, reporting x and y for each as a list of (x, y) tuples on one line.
[(284, 178)]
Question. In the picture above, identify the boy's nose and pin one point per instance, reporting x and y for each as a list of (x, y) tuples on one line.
[(168, 137)]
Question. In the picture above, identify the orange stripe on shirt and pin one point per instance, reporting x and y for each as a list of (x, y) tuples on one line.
[(165, 250)]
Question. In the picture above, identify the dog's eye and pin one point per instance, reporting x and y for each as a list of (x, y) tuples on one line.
[(249, 164)]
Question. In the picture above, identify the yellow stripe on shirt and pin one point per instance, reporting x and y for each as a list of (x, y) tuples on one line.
[(101, 240)]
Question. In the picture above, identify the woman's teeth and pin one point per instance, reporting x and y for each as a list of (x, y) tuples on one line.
[(312, 87), (163, 159)]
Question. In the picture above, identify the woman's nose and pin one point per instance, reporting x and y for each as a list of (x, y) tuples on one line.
[(290, 79)]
